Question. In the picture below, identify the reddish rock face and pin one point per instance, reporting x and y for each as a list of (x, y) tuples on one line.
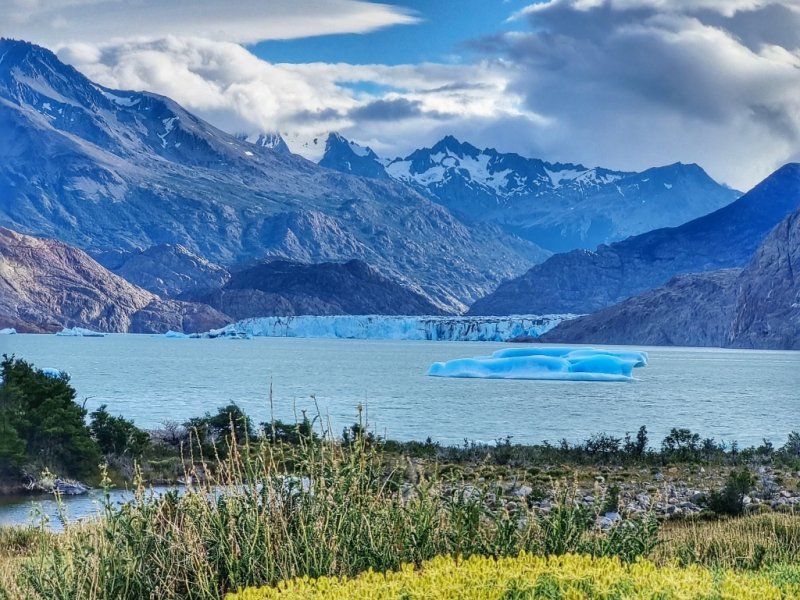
[(46, 285)]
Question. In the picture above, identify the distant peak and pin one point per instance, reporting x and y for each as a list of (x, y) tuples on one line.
[(451, 144)]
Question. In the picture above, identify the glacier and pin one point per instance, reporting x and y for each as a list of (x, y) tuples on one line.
[(382, 327), (8, 331), (79, 332), (571, 364)]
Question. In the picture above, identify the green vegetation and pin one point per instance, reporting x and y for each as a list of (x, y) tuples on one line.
[(41, 424)]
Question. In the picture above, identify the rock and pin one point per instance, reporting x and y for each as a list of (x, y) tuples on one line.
[(285, 288), (56, 286), (167, 270), (583, 282), (522, 491), (608, 520)]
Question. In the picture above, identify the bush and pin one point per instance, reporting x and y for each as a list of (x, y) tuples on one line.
[(41, 425), (528, 576), (730, 499), (117, 436)]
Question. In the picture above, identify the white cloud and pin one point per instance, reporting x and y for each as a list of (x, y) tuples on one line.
[(631, 83), (54, 22), (239, 92), (626, 84)]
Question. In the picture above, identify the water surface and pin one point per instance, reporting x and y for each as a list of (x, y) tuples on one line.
[(726, 394)]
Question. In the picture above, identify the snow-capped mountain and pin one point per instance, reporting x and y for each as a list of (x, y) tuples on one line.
[(560, 206), (106, 169), (271, 140)]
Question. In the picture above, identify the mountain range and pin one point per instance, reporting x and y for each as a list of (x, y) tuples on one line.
[(108, 170), (559, 206), (148, 218), (583, 281), (754, 307), (46, 285)]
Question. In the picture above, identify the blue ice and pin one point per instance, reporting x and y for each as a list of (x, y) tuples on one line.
[(572, 364)]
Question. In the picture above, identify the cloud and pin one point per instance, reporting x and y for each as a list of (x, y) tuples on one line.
[(394, 109), (238, 92), (55, 22), (638, 82), (626, 84)]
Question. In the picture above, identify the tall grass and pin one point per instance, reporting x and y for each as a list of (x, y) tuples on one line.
[(743, 543), (271, 512)]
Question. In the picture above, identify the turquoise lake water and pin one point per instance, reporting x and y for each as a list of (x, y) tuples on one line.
[(726, 394)]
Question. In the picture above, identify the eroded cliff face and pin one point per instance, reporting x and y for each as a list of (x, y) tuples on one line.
[(767, 313), (167, 270), (691, 310), (754, 307), (46, 285)]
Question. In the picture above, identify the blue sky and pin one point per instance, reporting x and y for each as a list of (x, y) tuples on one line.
[(439, 36)]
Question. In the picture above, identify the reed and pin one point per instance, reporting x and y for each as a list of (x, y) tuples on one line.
[(270, 512)]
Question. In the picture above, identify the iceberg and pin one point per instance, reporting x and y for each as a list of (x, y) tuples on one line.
[(638, 357), (570, 364), (52, 373), (79, 332), (8, 331), (383, 327), (179, 335)]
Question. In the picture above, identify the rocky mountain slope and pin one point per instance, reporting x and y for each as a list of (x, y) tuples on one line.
[(755, 307), (690, 310), (284, 288), (168, 270), (559, 206), (584, 282), (767, 313), (46, 285), (130, 170)]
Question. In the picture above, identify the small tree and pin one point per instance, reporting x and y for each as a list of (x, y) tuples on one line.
[(681, 444), (730, 499), (42, 411), (117, 436)]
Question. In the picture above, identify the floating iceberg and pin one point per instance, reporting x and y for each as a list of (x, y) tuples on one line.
[(381, 327), (573, 364), (79, 332), (8, 331), (52, 373), (176, 334)]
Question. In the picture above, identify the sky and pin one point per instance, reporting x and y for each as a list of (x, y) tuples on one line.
[(624, 84)]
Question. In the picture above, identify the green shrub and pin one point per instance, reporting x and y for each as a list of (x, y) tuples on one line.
[(730, 499)]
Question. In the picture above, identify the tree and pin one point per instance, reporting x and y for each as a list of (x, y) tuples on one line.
[(117, 436), (230, 424), (43, 413)]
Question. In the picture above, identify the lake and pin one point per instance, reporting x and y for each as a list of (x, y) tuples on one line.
[(727, 394)]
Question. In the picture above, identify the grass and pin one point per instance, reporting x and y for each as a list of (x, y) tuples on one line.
[(270, 512), (273, 512), (735, 543)]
